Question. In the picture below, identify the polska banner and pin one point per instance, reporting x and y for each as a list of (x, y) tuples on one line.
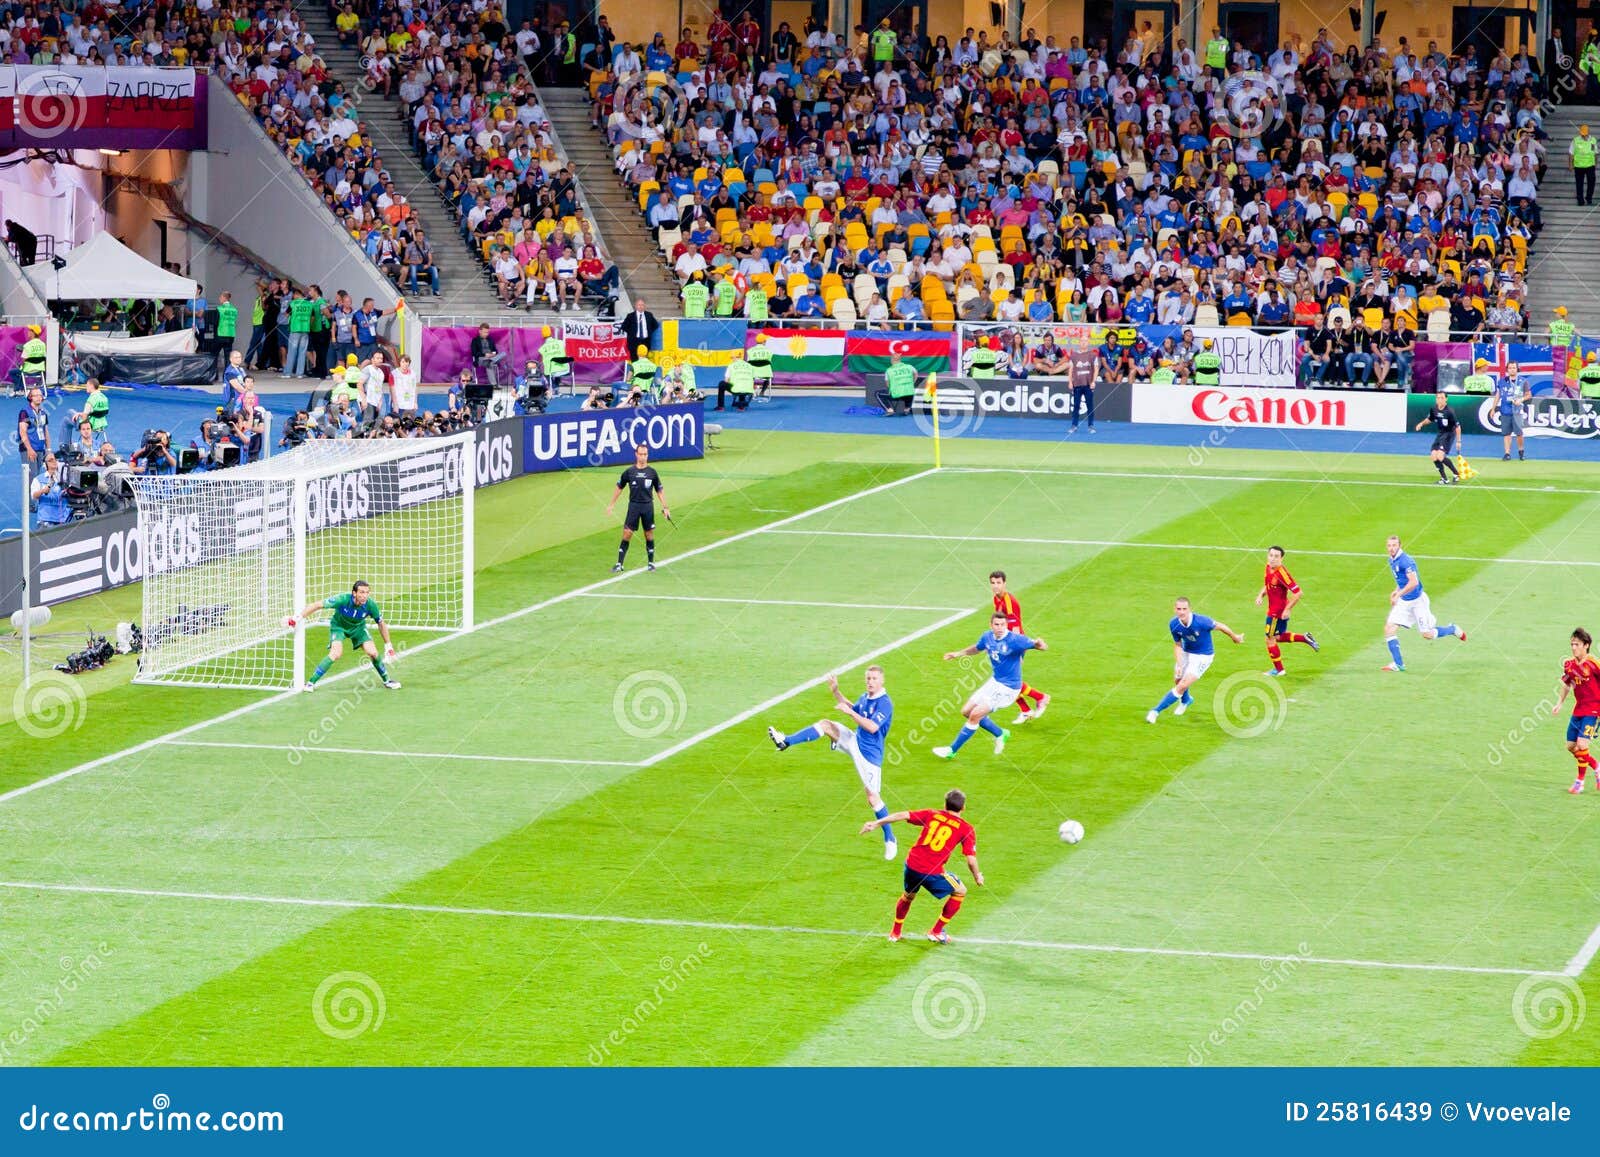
[(103, 107), (595, 341)]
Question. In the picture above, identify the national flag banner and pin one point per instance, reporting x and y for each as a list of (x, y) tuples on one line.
[(869, 352), (1535, 365), (700, 342), (802, 351), (595, 341)]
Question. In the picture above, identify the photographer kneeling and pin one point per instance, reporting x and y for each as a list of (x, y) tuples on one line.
[(154, 455)]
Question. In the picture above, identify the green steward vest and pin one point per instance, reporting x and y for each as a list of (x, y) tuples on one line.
[(227, 319), (96, 408), (740, 376), (1217, 53), (258, 312), (1164, 376), (1583, 152), (319, 320), (755, 305), (34, 356), (1478, 384), (553, 356), (1207, 368), (642, 373), (1562, 333), (883, 42), (300, 316), (694, 300), (760, 359), (983, 363), (1589, 381), (901, 380), (727, 295)]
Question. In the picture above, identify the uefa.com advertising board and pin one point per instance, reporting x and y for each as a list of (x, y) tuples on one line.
[(97, 554)]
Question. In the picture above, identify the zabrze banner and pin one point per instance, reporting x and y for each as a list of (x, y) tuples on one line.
[(73, 106)]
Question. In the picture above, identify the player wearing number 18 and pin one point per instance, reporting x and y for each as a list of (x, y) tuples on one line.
[(351, 614), (942, 832)]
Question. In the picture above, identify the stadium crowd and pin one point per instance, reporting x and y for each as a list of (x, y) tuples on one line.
[(1364, 196)]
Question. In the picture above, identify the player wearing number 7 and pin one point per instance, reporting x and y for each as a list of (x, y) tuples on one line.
[(351, 613)]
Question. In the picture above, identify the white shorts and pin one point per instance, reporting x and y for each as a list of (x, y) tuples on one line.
[(992, 696), (871, 774), (1195, 666), (1413, 613)]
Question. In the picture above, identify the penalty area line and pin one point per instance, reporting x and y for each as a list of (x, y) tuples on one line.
[(1585, 955), (316, 749), (772, 602), (1328, 480), (1062, 946)]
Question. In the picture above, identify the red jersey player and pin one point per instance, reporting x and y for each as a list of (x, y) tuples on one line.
[(1005, 603), (942, 831), (1581, 676), (1282, 593)]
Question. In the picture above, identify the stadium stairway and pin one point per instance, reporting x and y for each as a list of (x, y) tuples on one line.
[(614, 210), (1564, 265), (466, 289)]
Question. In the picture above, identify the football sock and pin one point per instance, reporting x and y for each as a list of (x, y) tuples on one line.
[(622, 551), (1275, 655), (1394, 649), (1583, 763), (1286, 637), (1033, 693), (1022, 703), (1188, 699), (1452, 466), (1167, 700), (1447, 630), (888, 829), (650, 550), (951, 907), (989, 725), (967, 732), (902, 906), (805, 735), (1439, 466), (377, 665), (322, 669)]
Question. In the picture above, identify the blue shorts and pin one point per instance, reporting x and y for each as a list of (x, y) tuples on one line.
[(937, 884), (1582, 727), (1277, 626)]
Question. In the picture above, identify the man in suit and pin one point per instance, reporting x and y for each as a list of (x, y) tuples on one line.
[(639, 326)]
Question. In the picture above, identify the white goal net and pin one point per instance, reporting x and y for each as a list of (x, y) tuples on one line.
[(229, 553)]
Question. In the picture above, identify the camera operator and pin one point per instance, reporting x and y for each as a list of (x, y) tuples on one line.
[(49, 493), (532, 389), (249, 430), (154, 456), (86, 448), (296, 430)]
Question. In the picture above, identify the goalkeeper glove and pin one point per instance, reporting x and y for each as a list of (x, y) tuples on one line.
[(290, 621)]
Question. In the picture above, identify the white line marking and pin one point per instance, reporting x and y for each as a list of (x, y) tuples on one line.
[(806, 686), (1593, 492), (1575, 967), (282, 696), (315, 749), (719, 926), (1372, 554), (774, 602)]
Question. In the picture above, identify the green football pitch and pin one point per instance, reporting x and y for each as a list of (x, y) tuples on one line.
[(567, 839)]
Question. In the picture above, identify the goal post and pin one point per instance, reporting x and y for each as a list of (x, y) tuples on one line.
[(229, 553)]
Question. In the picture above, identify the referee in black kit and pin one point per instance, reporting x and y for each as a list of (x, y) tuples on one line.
[(643, 484)]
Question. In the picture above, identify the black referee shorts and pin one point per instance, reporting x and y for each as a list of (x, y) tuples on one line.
[(638, 516)]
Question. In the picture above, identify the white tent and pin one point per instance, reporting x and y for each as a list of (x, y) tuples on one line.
[(105, 267)]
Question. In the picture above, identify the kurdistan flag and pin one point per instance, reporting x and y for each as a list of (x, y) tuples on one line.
[(868, 353), (803, 351)]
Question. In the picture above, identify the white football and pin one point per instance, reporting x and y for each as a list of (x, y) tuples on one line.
[(1071, 831)]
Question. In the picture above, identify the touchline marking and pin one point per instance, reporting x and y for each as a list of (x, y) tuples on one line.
[(948, 538), (1593, 492), (1576, 966), (355, 672), (720, 926), (773, 602), (316, 749)]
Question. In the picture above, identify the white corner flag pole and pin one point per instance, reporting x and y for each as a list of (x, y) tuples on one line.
[(27, 594)]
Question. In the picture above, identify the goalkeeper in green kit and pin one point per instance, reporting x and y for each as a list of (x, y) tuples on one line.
[(351, 614)]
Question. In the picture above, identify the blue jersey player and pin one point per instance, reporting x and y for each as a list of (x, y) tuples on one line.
[(872, 715), (1192, 653), (1408, 606), (1005, 649)]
